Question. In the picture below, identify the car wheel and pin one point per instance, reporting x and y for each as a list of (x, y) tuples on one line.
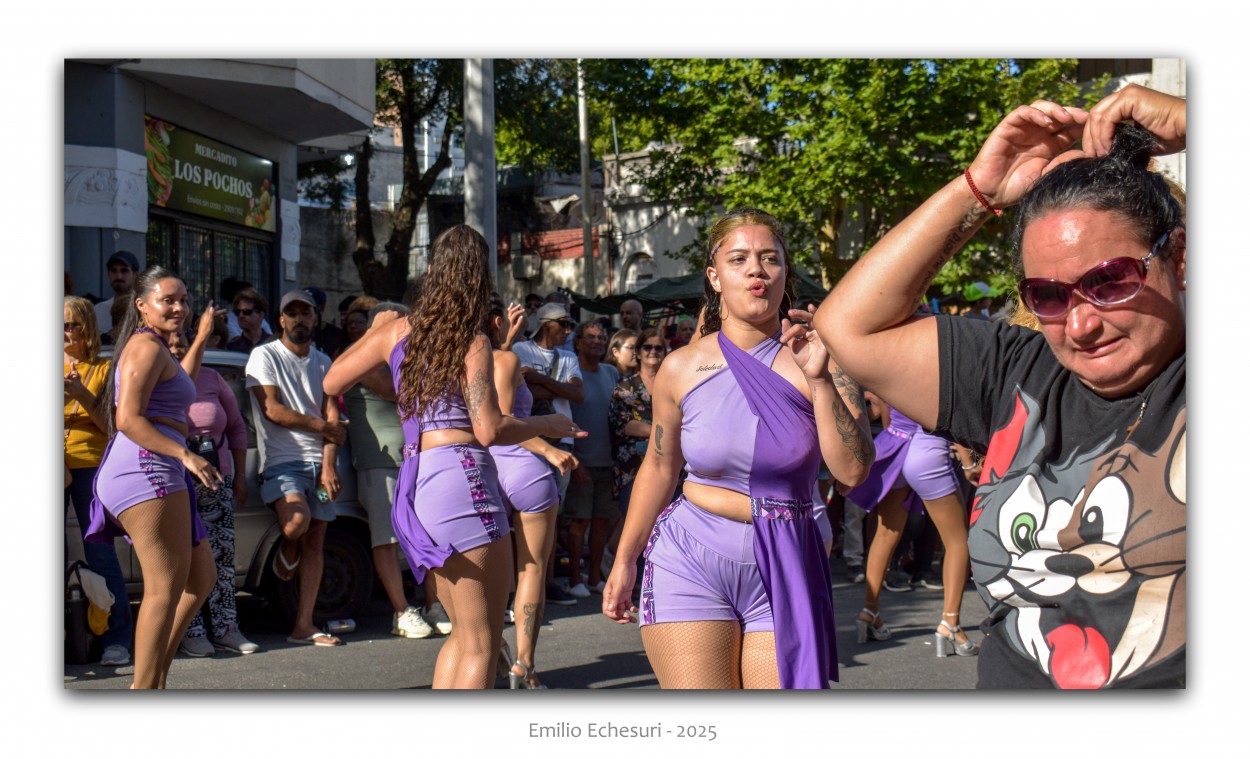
[(346, 582)]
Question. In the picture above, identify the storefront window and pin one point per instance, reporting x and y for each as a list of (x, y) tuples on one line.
[(204, 255)]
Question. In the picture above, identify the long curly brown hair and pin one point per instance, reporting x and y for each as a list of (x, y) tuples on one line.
[(454, 301), (725, 226)]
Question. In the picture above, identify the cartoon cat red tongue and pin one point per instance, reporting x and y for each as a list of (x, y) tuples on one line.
[(1079, 657)]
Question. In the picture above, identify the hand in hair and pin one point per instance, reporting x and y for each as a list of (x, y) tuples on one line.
[(1162, 114), (1022, 147)]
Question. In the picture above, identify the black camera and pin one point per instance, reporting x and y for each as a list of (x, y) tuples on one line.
[(206, 448)]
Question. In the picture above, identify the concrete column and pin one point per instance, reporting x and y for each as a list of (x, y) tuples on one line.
[(479, 153)]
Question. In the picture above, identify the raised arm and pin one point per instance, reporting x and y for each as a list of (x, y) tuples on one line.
[(490, 426), (195, 352), (837, 400), (369, 353), (867, 321)]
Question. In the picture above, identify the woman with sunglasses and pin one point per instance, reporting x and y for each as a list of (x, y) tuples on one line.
[(449, 514), (1078, 524), (736, 588), (86, 437)]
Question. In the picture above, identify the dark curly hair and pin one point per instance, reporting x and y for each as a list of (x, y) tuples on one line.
[(1120, 183), (449, 314), (724, 226)]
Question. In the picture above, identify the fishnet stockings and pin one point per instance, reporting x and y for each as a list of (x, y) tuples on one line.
[(176, 581), (473, 588), (710, 655)]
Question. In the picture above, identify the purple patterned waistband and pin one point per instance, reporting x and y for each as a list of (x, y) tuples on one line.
[(776, 508), (411, 450)]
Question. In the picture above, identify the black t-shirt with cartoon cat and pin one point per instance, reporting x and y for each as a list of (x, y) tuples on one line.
[(1077, 534)]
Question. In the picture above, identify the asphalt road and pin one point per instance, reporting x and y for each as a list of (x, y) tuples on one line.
[(578, 648)]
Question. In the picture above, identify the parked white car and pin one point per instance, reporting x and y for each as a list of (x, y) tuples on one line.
[(347, 582)]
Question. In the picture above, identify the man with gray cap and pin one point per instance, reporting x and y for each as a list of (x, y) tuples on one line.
[(554, 378), (122, 267), (298, 432)]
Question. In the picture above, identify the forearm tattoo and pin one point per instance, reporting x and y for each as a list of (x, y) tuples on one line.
[(659, 435), (478, 393), (953, 242), (854, 437), (849, 388)]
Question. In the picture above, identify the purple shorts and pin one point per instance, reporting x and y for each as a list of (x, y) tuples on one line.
[(457, 497), (702, 567), (928, 469), (525, 479), (129, 475)]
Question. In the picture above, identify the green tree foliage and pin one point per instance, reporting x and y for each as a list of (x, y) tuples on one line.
[(815, 140), (535, 127)]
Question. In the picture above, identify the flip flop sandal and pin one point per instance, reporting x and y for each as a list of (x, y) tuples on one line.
[(316, 639), (282, 569)]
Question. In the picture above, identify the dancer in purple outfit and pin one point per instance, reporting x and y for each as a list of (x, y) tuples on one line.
[(528, 485), (143, 488), (448, 514), (736, 589), (913, 473)]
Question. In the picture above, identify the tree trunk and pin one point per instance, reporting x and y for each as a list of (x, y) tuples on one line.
[(831, 267)]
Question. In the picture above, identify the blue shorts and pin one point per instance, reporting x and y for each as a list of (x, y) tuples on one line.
[(301, 477)]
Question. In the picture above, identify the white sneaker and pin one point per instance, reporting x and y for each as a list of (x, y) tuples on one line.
[(580, 590), (410, 624), (197, 646), (115, 656), (436, 617), (234, 640), (598, 587)]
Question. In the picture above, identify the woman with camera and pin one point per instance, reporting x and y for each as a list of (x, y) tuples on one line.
[(215, 431)]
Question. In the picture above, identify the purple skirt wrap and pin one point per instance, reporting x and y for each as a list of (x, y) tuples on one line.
[(104, 527), (887, 471), (792, 562), (418, 547), (788, 546)]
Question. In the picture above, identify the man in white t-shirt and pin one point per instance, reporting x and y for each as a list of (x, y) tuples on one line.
[(298, 432), (555, 379), (122, 267)]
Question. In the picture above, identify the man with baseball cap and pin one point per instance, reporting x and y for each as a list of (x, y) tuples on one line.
[(298, 432), (122, 267), (555, 379)]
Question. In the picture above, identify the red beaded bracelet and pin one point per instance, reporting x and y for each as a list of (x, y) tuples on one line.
[(980, 197)]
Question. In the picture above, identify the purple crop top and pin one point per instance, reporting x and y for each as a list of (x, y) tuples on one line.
[(522, 402), (170, 398), (718, 429), (448, 412)]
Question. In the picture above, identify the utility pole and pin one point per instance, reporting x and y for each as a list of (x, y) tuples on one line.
[(479, 154), (583, 130)]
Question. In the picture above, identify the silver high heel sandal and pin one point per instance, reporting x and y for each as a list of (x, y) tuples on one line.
[(865, 629), (946, 644), (522, 682)]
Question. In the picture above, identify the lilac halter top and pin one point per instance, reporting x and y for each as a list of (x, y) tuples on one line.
[(445, 413), (522, 402), (789, 551)]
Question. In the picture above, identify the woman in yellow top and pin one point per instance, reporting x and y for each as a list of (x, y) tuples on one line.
[(85, 440)]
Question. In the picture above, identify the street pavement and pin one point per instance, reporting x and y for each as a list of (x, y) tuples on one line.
[(577, 648)]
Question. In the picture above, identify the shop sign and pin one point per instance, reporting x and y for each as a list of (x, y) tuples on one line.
[(190, 172)]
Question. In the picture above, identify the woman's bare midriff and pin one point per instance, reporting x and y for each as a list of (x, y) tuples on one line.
[(724, 503), (173, 424), (450, 436)]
